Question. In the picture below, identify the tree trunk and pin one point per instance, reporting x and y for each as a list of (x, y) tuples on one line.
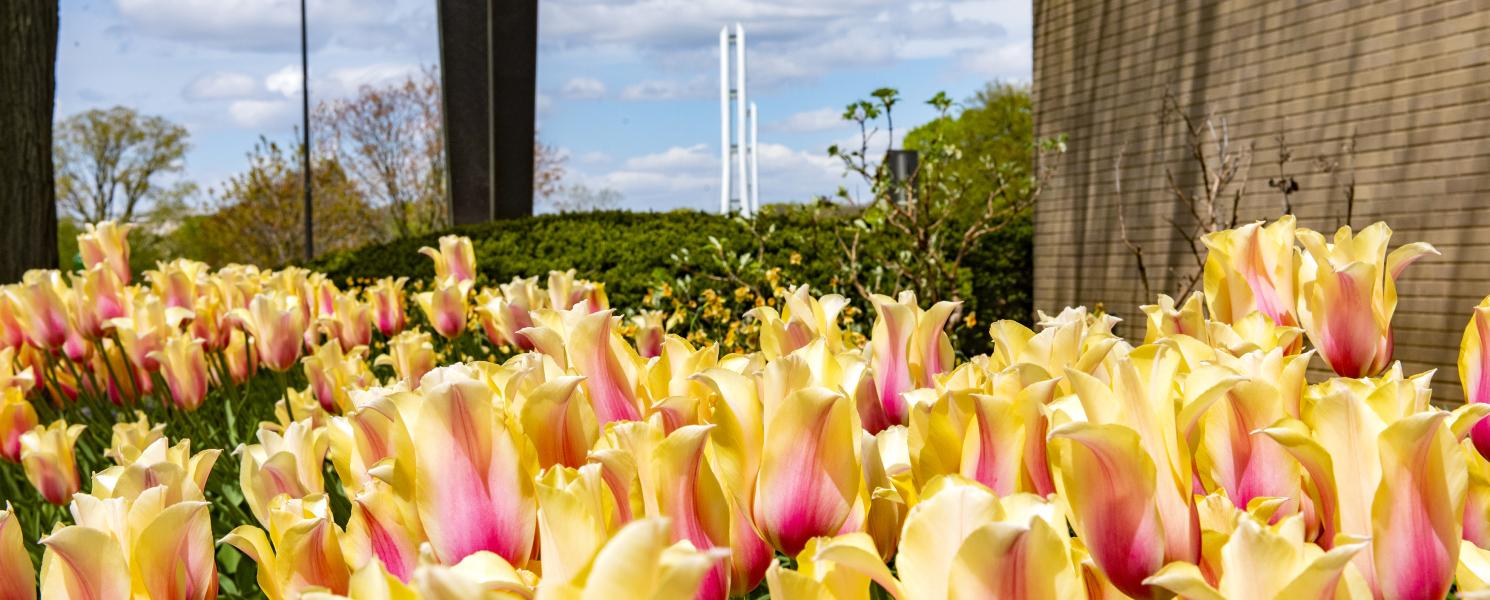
[(28, 79)]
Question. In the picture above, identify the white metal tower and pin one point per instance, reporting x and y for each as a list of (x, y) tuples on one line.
[(738, 182)]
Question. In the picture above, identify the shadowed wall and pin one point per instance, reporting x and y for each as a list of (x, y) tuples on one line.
[(1408, 82)]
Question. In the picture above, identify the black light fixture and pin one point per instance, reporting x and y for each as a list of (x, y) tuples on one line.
[(310, 242), (902, 165)]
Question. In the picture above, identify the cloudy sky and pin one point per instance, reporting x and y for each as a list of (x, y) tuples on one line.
[(628, 89)]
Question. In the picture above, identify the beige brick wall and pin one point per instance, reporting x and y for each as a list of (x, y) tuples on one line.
[(1410, 79)]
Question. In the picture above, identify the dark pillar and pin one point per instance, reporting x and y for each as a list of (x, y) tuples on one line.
[(464, 90), (514, 69), (28, 81)]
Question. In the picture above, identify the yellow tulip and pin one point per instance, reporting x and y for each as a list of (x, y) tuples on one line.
[(332, 374), (411, 354), (909, 348), (106, 244), (287, 463), (1474, 369), (804, 319), (642, 563), (176, 473), (100, 299), (1418, 510), (47, 456), (565, 292), (385, 527), (300, 550), (184, 367), (1261, 562), (611, 367), (17, 417), (1252, 268), (350, 322), (17, 574)]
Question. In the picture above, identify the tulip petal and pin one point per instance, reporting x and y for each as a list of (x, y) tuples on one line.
[(1109, 482), (17, 574), (174, 555), (1417, 514), (808, 482), (472, 489), (83, 562)]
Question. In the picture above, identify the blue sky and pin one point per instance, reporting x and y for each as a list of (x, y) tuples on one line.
[(628, 89)]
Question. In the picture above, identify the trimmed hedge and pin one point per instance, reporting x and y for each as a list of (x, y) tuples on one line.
[(633, 252)]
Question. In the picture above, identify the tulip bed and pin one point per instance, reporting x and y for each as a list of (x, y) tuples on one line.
[(379, 452)]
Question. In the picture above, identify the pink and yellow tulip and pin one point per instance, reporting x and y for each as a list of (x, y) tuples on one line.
[(106, 244), (1348, 293), (277, 324), (411, 354), (17, 574), (387, 300), (910, 349), (445, 306), (184, 367), (454, 259), (474, 487), (809, 474), (1252, 268), (1474, 369), (47, 456), (17, 417)]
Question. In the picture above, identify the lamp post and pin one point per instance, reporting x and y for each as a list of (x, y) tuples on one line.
[(310, 238)]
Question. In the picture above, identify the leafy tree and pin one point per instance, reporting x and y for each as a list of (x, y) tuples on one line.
[(976, 180), (582, 198), (391, 141), (110, 163), (259, 212), (995, 127)]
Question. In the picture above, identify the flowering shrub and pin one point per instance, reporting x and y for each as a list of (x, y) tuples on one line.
[(512, 442)]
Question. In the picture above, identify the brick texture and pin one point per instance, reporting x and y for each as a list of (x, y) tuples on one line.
[(1408, 82)]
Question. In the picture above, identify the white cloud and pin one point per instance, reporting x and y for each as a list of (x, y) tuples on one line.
[(1008, 61), (223, 85), (668, 89), (688, 176), (262, 114), (822, 119), (583, 88), (285, 81), (339, 83), (787, 40), (676, 158), (274, 25), (347, 81)]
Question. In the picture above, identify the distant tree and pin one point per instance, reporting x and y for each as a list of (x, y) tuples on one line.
[(390, 139), (110, 162), (995, 128), (582, 198), (259, 212), (548, 171), (28, 78)]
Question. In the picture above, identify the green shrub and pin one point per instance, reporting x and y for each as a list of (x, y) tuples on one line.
[(635, 253)]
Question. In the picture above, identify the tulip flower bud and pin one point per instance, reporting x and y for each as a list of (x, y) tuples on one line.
[(47, 456)]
